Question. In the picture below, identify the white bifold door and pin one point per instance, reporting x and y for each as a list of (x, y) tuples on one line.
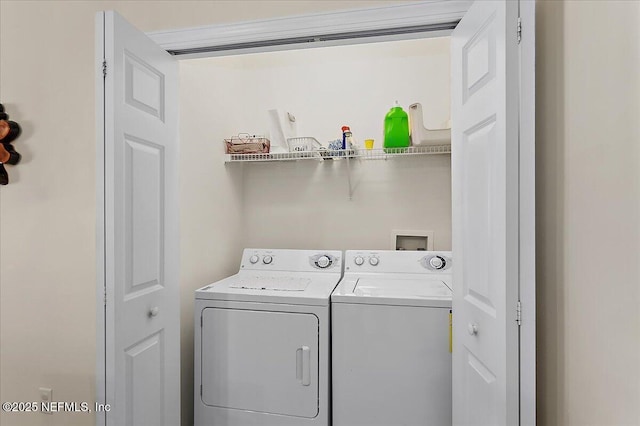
[(485, 178), (138, 235)]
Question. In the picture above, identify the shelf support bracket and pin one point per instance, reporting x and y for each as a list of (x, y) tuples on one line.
[(349, 177)]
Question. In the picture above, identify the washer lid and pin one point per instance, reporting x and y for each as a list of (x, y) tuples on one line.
[(376, 287), (394, 291)]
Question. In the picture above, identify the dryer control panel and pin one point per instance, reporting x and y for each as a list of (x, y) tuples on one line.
[(292, 260)]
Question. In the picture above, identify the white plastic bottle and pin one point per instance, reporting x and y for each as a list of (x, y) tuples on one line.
[(347, 138)]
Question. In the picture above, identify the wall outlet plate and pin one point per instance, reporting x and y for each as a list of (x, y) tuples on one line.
[(46, 395)]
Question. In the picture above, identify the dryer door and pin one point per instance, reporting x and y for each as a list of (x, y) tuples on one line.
[(260, 361)]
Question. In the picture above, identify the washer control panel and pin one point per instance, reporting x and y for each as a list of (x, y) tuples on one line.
[(382, 261)]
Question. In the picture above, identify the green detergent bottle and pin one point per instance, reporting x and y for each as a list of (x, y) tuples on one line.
[(396, 128)]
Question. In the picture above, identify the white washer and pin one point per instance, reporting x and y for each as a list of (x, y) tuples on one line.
[(391, 331), (262, 341)]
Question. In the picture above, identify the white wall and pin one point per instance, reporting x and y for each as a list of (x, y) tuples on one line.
[(327, 87), (210, 216), (306, 204), (588, 213)]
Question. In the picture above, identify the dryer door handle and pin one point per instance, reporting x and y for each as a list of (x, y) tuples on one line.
[(303, 361)]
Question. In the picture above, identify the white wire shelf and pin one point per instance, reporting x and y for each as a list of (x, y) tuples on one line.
[(360, 154)]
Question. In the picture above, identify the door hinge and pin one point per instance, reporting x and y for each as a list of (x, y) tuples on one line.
[(519, 313), (104, 69), (519, 29), (450, 331)]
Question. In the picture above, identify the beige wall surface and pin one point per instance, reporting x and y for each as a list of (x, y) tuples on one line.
[(305, 204), (588, 191), (588, 212)]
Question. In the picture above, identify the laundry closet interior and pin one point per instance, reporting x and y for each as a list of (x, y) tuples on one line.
[(311, 203), (308, 203)]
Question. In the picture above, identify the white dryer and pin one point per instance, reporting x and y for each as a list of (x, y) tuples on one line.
[(391, 339), (262, 341)]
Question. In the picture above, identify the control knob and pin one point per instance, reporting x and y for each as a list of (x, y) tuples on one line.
[(323, 262), (437, 262), (267, 259), (359, 260), (373, 261), (254, 259)]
